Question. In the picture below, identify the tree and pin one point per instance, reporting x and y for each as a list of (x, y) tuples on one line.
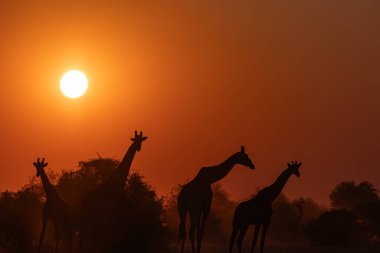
[(336, 228), (369, 214), (133, 225), (311, 210), (20, 215), (73, 185), (285, 222), (137, 227), (348, 195)]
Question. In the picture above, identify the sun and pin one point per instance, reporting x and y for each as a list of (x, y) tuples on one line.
[(74, 84)]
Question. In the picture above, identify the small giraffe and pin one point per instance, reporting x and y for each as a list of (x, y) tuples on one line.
[(258, 211), (108, 195), (195, 197), (55, 208)]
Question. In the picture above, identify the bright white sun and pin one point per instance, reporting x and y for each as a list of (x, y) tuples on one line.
[(74, 84)]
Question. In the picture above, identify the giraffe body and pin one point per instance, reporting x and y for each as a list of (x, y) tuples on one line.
[(195, 198), (258, 211)]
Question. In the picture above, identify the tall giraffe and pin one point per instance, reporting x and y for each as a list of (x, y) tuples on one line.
[(55, 208), (195, 197), (258, 211), (104, 199)]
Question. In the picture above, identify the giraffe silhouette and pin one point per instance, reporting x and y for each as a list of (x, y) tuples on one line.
[(258, 211), (55, 208), (195, 197), (106, 198)]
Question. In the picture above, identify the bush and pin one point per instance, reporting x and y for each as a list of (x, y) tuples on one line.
[(134, 224), (369, 217), (348, 195), (336, 228), (129, 222), (285, 222), (20, 214)]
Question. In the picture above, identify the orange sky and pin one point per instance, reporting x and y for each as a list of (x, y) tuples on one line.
[(288, 79)]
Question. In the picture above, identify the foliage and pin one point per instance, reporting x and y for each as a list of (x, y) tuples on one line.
[(138, 228), (336, 228), (143, 222), (133, 223), (285, 222), (20, 214), (311, 210), (369, 215), (348, 194)]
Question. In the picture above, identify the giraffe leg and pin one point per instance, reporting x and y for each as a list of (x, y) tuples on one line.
[(235, 231), (57, 235), (257, 232), (239, 242), (202, 228), (194, 224), (182, 229), (263, 235), (44, 222)]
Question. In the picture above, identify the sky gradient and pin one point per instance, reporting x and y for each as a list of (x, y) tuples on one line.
[(290, 80)]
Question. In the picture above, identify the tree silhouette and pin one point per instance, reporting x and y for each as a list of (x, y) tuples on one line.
[(134, 225), (20, 215), (311, 210), (336, 228), (370, 218), (348, 195)]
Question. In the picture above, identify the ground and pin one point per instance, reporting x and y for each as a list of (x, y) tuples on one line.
[(280, 248)]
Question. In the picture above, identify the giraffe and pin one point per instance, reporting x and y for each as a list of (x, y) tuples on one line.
[(258, 211), (55, 208), (104, 199), (195, 197)]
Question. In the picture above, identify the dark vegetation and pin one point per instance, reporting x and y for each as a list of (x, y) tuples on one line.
[(138, 228), (149, 223)]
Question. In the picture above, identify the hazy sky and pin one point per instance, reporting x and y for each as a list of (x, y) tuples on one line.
[(287, 79)]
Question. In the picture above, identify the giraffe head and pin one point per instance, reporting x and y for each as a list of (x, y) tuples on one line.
[(243, 159), (293, 167), (138, 139), (40, 165)]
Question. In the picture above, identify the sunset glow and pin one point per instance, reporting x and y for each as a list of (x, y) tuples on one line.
[(74, 84)]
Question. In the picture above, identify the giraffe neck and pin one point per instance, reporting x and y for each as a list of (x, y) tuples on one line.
[(48, 187), (271, 192), (125, 164), (213, 174)]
